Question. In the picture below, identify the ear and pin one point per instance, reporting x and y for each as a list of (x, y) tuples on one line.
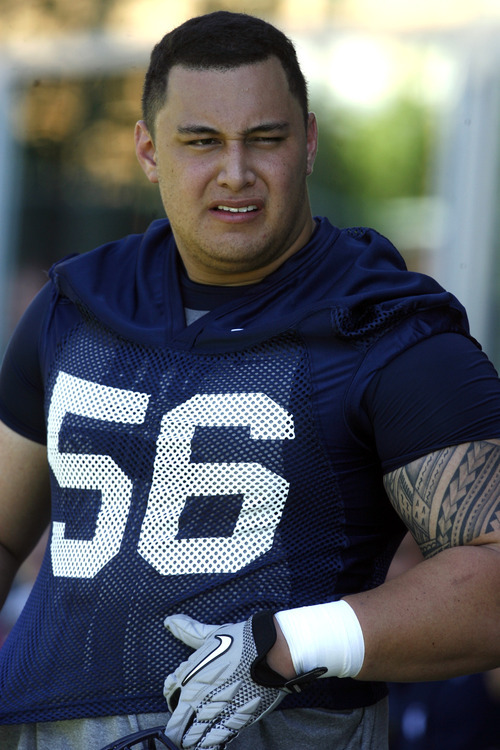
[(145, 151), (312, 142)]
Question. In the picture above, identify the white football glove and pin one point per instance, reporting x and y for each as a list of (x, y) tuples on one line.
[(225, 685)]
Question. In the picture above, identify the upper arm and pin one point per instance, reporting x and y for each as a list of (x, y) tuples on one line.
[(450, 497), (21, 381), (24, 496), (441, 391)]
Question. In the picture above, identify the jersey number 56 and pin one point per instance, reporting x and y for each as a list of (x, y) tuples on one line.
[(175, 478)]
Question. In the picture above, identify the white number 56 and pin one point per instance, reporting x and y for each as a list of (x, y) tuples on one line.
[(175, 479)]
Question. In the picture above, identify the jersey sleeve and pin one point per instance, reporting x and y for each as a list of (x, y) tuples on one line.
[(442, 391), (21, 382)]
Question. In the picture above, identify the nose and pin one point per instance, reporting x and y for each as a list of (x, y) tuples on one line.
[(235, 169)]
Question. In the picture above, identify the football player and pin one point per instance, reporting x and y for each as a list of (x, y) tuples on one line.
[(241, 412)]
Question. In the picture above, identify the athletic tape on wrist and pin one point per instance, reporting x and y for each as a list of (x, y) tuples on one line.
[(324, 635)]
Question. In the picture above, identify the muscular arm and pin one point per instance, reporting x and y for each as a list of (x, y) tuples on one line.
[(442, 617), (24, 501)]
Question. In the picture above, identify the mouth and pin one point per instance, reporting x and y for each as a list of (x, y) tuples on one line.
[(237, 210)]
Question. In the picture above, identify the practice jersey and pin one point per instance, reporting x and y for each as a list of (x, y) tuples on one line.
[(215, 469)]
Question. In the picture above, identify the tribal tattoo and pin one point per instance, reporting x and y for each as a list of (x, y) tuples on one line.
[(449, 497)]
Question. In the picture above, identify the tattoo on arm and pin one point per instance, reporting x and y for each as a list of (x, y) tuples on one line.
[(449, 497)]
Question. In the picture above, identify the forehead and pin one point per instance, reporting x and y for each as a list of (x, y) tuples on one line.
[(249, 92)]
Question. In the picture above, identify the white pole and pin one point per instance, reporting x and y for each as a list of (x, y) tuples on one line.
[(468, 182), (9, 188)]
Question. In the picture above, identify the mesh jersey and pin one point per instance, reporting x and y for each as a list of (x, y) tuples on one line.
[(215, 470)]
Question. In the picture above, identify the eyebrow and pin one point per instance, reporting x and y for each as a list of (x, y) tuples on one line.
[(263, 127)]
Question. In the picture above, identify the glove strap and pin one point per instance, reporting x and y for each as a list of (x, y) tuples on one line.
[(264, 633)]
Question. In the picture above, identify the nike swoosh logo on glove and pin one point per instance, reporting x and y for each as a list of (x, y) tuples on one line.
[(225, 644)]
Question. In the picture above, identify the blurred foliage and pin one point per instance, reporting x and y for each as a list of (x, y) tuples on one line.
[(86, 126), (368, 158), (82, 185), (29, 17)]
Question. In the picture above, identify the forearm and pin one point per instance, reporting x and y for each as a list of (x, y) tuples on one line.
[(437, 620), (24, 502), (8, 569)]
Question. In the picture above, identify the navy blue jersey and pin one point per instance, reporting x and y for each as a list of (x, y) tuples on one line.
[(216, 469)]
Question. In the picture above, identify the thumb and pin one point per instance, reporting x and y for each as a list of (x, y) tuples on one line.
[(189, 631)]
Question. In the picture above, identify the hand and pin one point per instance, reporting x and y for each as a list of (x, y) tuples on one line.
[(225, 685)]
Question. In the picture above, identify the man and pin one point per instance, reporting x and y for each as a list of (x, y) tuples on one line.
[(245, 410)]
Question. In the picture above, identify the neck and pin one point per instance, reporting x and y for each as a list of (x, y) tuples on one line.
[(230, 277)]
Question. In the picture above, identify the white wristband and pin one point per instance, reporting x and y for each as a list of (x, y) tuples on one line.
[(324, 635)]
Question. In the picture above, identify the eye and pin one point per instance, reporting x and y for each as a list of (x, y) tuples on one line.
[(267, 140), (203, 142)]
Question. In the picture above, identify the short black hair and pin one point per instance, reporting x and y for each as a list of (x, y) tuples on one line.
[(221, 40)]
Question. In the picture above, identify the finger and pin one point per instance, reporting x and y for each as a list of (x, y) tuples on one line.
[(189, 631), (170, 686), (176, 726)]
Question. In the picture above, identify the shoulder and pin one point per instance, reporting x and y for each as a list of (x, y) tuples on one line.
[(123, 283), (112, 263), (371, 287)]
